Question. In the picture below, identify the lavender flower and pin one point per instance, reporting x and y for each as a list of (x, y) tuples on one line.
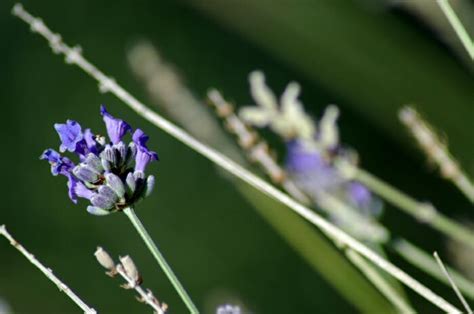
[(110, 175), (313, 146), (314, 174)]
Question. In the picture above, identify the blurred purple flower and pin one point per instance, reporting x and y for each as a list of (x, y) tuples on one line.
[(310, 170), (315, 176), (359, 194)]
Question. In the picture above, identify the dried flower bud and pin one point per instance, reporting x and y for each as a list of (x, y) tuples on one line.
[(104, 259), (130, 269)]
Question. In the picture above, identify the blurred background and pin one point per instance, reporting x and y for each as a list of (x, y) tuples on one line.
[(368, 57)]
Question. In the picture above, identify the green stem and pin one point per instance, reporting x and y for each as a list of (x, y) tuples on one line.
[(426, 263), (379, 282), (457, 26), (160, 259), (422, 211)]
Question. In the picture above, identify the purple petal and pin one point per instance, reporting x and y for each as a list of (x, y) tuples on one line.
[(301, 159), (70, 134), (143, 156), (59, 164), (359, 194), (116, 128), (310, 171), (140, 138), (70, 186), (77, 189), (91, 143)]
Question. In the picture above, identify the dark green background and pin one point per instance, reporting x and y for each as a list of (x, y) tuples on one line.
[(368, 61)]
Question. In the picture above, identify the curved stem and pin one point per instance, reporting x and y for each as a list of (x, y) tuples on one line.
[(457, 26), (130, 213), (423, 261), (47, 272), (424, 212), (379, 282)]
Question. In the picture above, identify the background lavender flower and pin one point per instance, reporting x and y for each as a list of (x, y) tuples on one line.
[(228, 309), (110, 175), (314, 174)]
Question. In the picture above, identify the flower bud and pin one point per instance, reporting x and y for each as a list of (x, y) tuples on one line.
[(94, 162), (109, 154), (130, 268), (97, 211), (150, 184), (85, 173), (115, 183), (131, 184), (104, 258)]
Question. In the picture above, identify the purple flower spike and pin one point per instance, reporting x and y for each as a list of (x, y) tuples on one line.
[(116, 128), (144, 155), (59, 164), (70, 134)]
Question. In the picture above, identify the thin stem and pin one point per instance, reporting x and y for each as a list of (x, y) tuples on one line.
[(106, 84), (457, 26), (379, 282), (453, 285), (147, 298), (425, 262), (47, 272), (130, 213), (423, 211)]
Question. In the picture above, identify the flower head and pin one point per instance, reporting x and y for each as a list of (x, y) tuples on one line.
[(110, 175), (312, 148)]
